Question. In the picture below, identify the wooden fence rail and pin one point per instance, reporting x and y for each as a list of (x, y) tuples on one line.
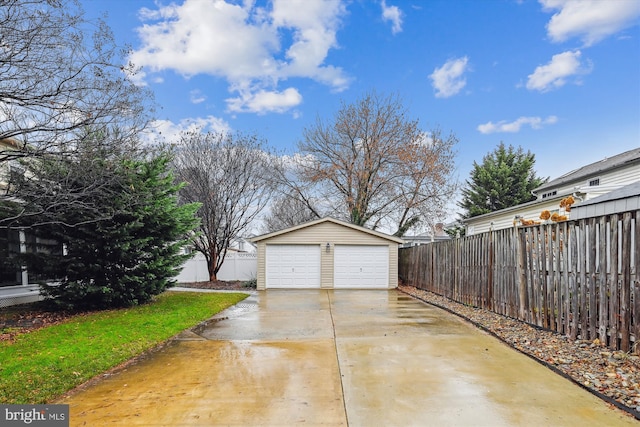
[(578, 278)]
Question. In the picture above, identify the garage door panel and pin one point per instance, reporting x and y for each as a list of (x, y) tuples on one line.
[(293, 266), (361, 266)]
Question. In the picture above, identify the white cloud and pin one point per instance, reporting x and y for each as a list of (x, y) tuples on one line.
[(298, 161), (590, 20), (314, 24), (243, 44), (448, 80), (555, 74), (394, 15), (170, 132), (512, 127), (197, 97), (263, 101)]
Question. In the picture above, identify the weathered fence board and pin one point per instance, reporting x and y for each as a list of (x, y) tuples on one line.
[(579, 278), (636, 282), (593, 283), (573, 281), (614, 302), (625, 284), (602, 277)]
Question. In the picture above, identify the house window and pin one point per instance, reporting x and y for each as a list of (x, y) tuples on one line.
[(594, 182), (16, 167), (549, 194), (16, 170)]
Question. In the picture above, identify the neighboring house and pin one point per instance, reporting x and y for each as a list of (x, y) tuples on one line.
[(16, 239), (240, 244), (583, 184), (14, 281), (7, 167), (436, 235), (327, 254), (10, 240)]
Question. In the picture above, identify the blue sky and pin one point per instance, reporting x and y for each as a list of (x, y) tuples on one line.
[(560, 78)]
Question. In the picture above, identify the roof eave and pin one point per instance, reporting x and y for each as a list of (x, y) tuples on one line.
[(326, 219), (519, 207)]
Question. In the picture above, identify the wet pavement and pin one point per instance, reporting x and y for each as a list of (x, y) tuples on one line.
[(338, 358)]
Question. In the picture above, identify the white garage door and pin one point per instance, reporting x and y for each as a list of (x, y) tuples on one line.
[(293, 266), (361, 266)]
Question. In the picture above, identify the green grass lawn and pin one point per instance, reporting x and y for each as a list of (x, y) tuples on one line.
[(47, 362)]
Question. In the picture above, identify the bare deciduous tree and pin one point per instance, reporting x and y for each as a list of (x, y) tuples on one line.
[(231, 176), (286, 211), (73, 187), (60, 75), (427, 183), (376, 165)]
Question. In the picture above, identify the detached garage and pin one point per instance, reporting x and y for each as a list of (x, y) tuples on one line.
[(327, 254)]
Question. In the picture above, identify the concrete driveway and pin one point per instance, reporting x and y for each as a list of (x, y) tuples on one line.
[(357, 358)]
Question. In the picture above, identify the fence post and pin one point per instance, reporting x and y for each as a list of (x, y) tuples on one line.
[(522, 279), (636, 283), (490, 304)]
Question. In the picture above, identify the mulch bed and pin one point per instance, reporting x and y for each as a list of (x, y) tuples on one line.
[(613, 376), (19, 319), (234, 285)]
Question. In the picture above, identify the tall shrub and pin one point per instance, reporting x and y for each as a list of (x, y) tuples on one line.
[(128, 256)]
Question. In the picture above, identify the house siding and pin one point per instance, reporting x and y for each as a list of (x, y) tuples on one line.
[(321, 234), (505, 220), (609, 181)]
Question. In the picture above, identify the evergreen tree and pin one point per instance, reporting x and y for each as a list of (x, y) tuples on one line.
[(129, 258), (122, 247), (504, 179)]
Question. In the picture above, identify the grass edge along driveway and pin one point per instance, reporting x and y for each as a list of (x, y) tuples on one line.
[(48, 362)]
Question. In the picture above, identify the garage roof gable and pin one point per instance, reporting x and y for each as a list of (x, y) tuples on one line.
[(327, 219)]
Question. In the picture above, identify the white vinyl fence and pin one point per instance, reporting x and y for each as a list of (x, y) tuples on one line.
[(236, 266)]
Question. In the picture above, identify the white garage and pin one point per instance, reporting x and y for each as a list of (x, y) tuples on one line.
[(292, 266), (327, 254), (361, 267)]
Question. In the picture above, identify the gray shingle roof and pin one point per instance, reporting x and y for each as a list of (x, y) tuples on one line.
[(620, 160)]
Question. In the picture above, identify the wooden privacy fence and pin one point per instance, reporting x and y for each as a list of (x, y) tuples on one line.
[(579, 278)]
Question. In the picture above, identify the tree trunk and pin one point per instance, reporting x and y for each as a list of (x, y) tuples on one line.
[(212, 266)]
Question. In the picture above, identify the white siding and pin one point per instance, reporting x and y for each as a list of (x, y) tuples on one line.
[(505, 219), (609, 181)]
